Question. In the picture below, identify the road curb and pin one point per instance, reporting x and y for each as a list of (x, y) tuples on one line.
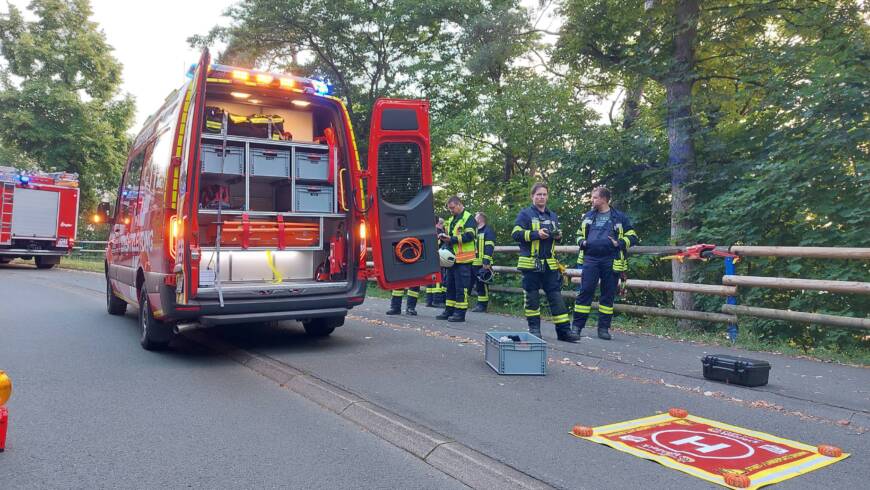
[(478, 470), (467, 465)]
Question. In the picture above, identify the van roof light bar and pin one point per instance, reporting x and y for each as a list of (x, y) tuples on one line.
[(253, 78)]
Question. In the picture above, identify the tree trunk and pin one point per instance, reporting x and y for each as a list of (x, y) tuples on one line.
[(681, 148), (631, 106), (510, 162)]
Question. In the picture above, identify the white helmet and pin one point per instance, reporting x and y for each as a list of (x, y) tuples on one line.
[(446, 257)]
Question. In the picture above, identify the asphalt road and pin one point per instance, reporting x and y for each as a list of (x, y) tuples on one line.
[(90, 405), (91, 409)]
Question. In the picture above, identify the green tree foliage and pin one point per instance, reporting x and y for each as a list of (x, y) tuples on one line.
[(753, 115), (58, 95), (364, 49)]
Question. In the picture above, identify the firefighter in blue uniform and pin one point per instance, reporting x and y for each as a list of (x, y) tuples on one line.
[(482, 260), (537, 229), (459, 234), (606, 234), (396, 301)]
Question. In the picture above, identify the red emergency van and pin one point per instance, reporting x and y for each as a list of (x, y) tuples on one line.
[(243, 200), (38, 215)]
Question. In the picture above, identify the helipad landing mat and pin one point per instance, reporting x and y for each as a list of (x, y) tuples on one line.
[(720, 453)]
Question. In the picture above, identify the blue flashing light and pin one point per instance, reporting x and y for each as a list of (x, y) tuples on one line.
[(190, 71), (320, 87), (24, 179)]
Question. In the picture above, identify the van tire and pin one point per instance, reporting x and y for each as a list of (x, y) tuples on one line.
[(114, 304), (322, 327), (155, 335), (43, 263)]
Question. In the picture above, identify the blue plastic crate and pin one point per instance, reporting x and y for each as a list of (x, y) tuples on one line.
[(528, 356)]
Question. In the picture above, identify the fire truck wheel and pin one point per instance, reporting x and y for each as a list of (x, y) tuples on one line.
[(44, 263), (155, 334), (114, 304), (5, 260), (322, 327)]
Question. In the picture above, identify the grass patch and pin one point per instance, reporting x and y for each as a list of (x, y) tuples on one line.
[(80, 264)]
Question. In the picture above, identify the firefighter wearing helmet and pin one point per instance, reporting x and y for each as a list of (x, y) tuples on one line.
[(537, 230), (459, 233)]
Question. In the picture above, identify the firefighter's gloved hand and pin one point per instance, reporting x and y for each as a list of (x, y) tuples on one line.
[(583, 245), (543, 234)]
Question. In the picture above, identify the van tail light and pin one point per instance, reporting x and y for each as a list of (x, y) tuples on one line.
[(174, 234), (363, 243)]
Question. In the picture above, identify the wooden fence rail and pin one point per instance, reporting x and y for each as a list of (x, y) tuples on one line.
[(849, 253), (852, 287), (799, 316)]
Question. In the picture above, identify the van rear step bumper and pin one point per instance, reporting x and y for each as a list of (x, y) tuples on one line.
[(29, 253), (212, 320)]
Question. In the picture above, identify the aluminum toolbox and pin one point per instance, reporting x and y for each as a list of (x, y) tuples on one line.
[(516, 353), (270, 163), (314, 199), (312, 166), (233, 159), (736, 370)]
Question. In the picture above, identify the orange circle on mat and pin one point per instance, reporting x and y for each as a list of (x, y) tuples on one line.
[(582, 431), (679, 413), (830, 451), (739, 481)]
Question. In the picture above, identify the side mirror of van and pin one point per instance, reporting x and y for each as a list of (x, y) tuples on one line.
[(102, 215)]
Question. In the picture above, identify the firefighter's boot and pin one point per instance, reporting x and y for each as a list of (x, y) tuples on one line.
[(448, 311), (604, 333), (429, 299), (411, 309), (395, 306), (535, 326), (457, 316), (480, 307), (565, 333)]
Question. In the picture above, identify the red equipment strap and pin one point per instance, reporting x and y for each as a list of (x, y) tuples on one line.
[(246, 230), (280, 232)]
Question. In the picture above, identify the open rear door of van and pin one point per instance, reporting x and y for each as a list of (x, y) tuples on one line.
[(187, 209), (402, 213)]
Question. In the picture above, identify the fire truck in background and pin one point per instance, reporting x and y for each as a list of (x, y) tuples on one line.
[(38, 215)]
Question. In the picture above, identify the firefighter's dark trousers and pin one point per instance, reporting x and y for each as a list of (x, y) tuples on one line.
[(596, 271), (551, 283), (458, 285), (397, 294), (480, 288)]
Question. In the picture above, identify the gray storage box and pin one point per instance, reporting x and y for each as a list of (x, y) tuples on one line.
[(270, 163), (314, 198), (312, 166), (233, 160), (516, 353)]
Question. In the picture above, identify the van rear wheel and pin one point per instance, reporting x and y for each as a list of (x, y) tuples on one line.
[(322, 327), (45, 262), (114, 304), (155, 335)]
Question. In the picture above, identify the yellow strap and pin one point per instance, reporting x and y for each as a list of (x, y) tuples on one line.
[(536, 244), (270, 260)]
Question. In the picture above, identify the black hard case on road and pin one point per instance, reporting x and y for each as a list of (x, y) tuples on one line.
[(736, 370)]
